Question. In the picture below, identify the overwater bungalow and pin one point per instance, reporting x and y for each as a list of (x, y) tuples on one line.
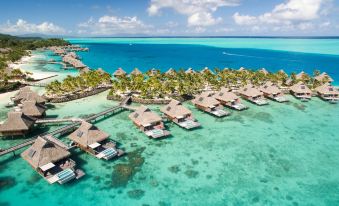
[(149, 122), (119, 73), (180, 115), (190, 71), (153, 72), (136, 72), (328, 93), (272, 91), (26, 94), (90, 139), (210, 105), (51, 161), (301, 91), (33, 109), (17, 124), (252, 94), (324, 77), (229, 99)]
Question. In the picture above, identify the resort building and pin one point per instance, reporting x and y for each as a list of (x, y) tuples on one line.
[(229, 99), (90, 139), (136, 72), (101, 71), (26, 94), (171, 71), (153, 72), (301, 75), (272, 91), (301, 91), (51, 161), (85, 70), (148, 122), (119, 73), (190, 71), (264, 71), (328, 92), (206, 70), (180, 115), (324, 77), (281, 71), (33, 109), (252, 94), (17, 124), (210, 105)]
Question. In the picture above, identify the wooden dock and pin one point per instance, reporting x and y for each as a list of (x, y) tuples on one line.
[(57, 121), (66, 129)]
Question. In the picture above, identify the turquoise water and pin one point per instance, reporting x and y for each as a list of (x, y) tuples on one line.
[(280, 154), (292, 55)]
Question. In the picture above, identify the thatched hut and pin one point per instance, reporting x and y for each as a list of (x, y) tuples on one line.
[(190, 71), (324, 77), (252, 94), (119, 73), (148, 122), (170, 71), (210, 105), (90, 139), (51, 161), (136, 72), (206, 70), (301, 91), (301, 75), (179, 114), (272, 91), (153, 72), (264, 71), (328, 92), (26, 94), (85, 70), (33, 109), (229, 99), (17, 124)]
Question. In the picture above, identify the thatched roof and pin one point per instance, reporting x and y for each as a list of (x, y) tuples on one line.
[(101, 71), (270, 88), (26, 94), (300, 75), (32, 108), (88, 134), (190, 71), (171, 71), (85, 70), (175, 109), (225, 95), (153, 72), (321, 77), (119, 72), (43, 152), (144, 116), (264, 71), (206, 70), (282, 71), (136, 71), (327, 89), (250, 91), (16, 121), (242, 69), (300, 87), (205, 100)]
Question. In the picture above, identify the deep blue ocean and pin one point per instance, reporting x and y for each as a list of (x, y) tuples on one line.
[(165, 56)]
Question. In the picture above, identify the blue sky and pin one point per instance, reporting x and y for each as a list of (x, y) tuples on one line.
[(170, 17)]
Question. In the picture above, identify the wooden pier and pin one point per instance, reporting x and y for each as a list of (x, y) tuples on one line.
[(66, 129)]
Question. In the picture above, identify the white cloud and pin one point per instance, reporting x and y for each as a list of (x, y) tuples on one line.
[(24, 27), (110, 25), (198, 12), (293, 14)]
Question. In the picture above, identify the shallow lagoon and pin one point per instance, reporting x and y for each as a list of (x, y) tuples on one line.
[(277, 154)]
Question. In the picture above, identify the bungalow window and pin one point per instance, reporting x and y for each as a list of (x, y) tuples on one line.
[(302, 87), (80, 133), (168, 108), (31, 153), (330, 89), (136, 115), (200, 99), (221, 94)]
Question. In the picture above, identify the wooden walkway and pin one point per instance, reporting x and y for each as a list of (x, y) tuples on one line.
[(66, 129), (56, 121)]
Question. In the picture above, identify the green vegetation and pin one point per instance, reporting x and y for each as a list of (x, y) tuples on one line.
[(181, 84), (84, 82), (12, 48)]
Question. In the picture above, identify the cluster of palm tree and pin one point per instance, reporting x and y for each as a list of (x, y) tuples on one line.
[(84, 82), (154, 84)]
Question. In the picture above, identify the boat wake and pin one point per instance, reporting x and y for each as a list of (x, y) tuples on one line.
[(240, 55)]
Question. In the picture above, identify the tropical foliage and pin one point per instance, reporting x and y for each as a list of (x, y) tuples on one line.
[(84, 82), (160, 85)]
